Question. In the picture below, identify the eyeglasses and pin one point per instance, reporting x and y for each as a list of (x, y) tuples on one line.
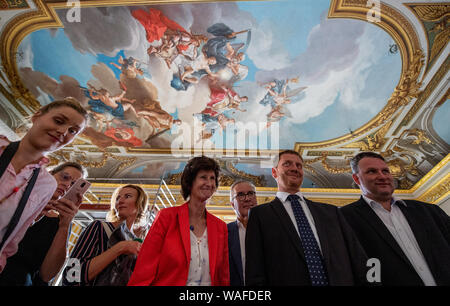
[(242, 195), (66, 177)]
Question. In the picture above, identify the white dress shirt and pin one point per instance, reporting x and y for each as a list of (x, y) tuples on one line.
[(282, 196), (399, 228), (242, 231)]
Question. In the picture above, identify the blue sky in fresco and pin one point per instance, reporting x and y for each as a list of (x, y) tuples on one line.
[(369, 87)]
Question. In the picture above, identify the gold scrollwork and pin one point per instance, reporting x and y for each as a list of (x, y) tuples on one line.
[(258, 181), (372, 142), (174, 179), (420, 136), (125, 161), (438, 191), (326, 166), (432, 12), (225, 180)]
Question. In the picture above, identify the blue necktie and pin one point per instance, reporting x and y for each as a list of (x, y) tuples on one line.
[(313, 257)]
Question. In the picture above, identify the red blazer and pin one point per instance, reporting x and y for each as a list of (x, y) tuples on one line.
[(166, 252)]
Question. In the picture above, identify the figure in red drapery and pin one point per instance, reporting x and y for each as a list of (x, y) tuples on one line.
[(155, 23)]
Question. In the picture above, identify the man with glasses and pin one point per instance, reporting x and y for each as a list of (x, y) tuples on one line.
[(293, 241), (242, 197)]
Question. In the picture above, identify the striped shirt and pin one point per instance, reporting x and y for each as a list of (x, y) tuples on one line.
[(92, 242)]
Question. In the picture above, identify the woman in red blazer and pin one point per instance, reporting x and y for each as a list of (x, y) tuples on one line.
[(187, 245)]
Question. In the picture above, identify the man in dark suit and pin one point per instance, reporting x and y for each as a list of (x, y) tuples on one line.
[(411, 239), (295, 241), (242, 197)]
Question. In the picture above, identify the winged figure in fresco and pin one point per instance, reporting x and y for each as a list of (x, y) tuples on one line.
[(224, 98), (279, 94), (129, 67), (175, 40), (101, 101), (222, 47), (191, 72), (212, 121)]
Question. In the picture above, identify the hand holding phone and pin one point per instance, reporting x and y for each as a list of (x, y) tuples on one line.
[(80, 187)]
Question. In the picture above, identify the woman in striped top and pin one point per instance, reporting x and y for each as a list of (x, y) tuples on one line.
[(128, 204)]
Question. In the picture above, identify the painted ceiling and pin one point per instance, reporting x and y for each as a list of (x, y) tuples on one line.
[(238, 80)]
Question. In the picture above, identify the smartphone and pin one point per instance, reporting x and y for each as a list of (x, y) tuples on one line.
[(80, 186)]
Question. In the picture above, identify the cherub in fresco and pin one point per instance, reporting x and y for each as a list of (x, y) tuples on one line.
[(158, 119), (189, 48), (221, 48), (175, 40), (275, 115), (224, 98), (193, 71), (185, 43), (235, 58), (202, 62), (167, 51), (101, 101), (212, 121), (128, 67), (279, 94)]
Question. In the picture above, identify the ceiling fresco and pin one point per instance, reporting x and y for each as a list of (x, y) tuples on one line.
[(147, 74), (237, 80)]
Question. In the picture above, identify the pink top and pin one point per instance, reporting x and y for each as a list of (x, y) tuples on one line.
[(42, 192)]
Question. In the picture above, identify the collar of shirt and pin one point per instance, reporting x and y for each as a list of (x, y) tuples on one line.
[(43, 161), (394, 200), (239, 224), (284, 195)]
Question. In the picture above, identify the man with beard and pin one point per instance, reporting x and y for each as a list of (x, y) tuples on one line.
[(293, 241)]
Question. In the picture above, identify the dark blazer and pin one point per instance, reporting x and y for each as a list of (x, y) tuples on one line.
[(235, 259), (431, 227), (275, 256)]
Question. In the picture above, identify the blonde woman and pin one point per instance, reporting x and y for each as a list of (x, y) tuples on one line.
[(26, 186), (128, 204)]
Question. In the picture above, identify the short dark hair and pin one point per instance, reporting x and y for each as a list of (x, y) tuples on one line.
[(63, 166), (354, 162), (191, 169), (287, 152)]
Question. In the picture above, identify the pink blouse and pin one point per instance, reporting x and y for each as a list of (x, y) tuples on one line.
[(42, 192)]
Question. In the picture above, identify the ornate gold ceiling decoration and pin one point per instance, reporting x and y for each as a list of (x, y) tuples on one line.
[(434, 18), (373, 135), (438, 191), (13, 4)]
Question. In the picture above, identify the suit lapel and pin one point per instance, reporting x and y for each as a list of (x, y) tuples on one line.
[(286, 223), (235, 248), (373, 220), (213, 234), (183, 221), (420, 232)]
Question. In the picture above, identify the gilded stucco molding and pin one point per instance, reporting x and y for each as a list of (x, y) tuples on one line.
[(406, 38), (438, 192), (434, 18), (13, 5)]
